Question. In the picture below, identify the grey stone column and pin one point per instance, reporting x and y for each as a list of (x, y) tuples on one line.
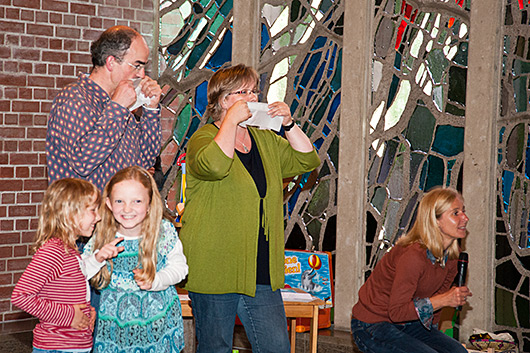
[(246, 32), (482, 110), (353, 150)]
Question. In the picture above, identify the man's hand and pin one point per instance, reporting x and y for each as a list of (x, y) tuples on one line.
[(151, 89)]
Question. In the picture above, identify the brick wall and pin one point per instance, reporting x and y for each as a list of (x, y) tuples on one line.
[(43, 45)]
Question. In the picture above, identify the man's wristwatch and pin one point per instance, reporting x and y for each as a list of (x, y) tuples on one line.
[(289, 127)]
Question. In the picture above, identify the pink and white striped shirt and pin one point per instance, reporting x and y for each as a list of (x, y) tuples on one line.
[(49, 287)]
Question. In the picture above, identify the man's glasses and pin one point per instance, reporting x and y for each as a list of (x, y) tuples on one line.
[(245, 92), (137, 67)]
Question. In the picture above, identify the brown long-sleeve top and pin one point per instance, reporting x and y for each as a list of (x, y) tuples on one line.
[(401, 276)]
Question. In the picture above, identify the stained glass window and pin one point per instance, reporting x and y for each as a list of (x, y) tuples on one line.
[(419, 71), (512, 253)]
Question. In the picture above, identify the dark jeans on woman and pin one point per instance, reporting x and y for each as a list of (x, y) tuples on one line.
[(412, 337)]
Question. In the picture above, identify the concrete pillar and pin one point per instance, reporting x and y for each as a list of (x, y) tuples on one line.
[(482, 110), (353, 150), (246, 32)]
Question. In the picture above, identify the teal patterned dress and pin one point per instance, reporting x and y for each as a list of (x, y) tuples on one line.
[(131, 320)]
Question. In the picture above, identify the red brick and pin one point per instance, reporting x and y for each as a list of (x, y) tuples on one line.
[(10, 238), (12, 14), (7, 225), (92, 35), (5, 291), (63, 81), (83, 47), (61, 6), (29, 237), (27, 15), (5, 105), (42, 42), (36, 132), (124, 3), (54, 56), (96, 22), (22, 172), (5, 52), (40, 120), (12, 132), (11, 146), (26, 67), (69, 45), (41, 81), (19, 326), (34, 4), (39, 93), (27, 41), (3, 211), (5, 305), (6, 251), (12, 80), (7, 172), (56, 44), (82, 21), (56, 18), (41, 30), (26, 54), (8, 198), (13, 40), (37, 197), (22, 211), (11, 66), (69, 20), (82, 9), (128, 14), (11, 27), (25, 93), (25, 106), (146, 16), (40, 69), (25, 146), (42, 17), (54, 70), (21, 250), (80, 59), (19, 315), (35, 184), (68, 32), (23, 159)]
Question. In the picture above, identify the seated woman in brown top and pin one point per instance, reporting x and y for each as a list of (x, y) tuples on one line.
[(399, 305)]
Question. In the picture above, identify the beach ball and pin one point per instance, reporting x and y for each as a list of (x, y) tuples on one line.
[(314, 262)]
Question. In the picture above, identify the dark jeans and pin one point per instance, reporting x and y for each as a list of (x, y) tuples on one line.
[(412, 337), (262, 316)]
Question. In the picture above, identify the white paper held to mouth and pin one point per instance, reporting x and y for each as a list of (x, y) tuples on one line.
[(261, 119), (141, 99)]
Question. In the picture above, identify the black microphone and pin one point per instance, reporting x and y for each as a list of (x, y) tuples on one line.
[(462, 271)]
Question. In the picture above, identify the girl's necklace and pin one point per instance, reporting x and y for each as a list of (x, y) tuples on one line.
[(244, 147)]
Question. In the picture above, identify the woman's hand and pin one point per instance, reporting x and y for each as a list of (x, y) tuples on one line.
[(237, 113), (109, 250), (143, 284), (454, 297), (81, 321), (281, 109)]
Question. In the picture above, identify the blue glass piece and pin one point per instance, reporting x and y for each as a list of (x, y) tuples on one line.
[(332, 62), (435, 174), (223, 53), (226, 8), (392, 90), (397, 61), (318, 143), (448, 140), (507, 181), (319, 43), (337, 77), (408, 211), (388, 159), (310, 94), (450, 165), (302, 67), (501, 133), (325, 5), (294, 105), (316, 115), (318, 76), (265, 37), (299, 92), (302, 180), (527, 159), (197, 53), (326, 130), (201, 98), (311, 68), (333, 108)]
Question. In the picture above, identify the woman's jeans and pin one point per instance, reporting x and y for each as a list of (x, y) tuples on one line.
[(412, 337), (263, 317)]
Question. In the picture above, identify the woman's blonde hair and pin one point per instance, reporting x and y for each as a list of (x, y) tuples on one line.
[(107, 228), (426, 230), (225, 81), (64, 202)]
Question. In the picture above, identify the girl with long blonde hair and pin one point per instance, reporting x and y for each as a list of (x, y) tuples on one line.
[(139, 308), (54, 286)]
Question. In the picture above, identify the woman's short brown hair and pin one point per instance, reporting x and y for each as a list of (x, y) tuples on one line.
[(225, 81)]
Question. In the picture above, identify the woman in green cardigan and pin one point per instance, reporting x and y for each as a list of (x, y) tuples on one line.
[(232, 226)]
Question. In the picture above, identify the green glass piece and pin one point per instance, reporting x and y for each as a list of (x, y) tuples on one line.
[(504, 314), (457, 84), (461, 55), (205, 3), (320, 200), (515, 146), (420, 129), (450, 165), (333, 152), (521, 67), (336, 80), (522, 311), (374, 168), (295, 10), (378, 200), (395, 182), (392, 211), (416, 160), (181, 125), (313, 228), (435, 173), (226, 8), (437, 63), (324, 170), (520, 93), (453, 109), (216, 24), (212, 11), (438, 97)]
